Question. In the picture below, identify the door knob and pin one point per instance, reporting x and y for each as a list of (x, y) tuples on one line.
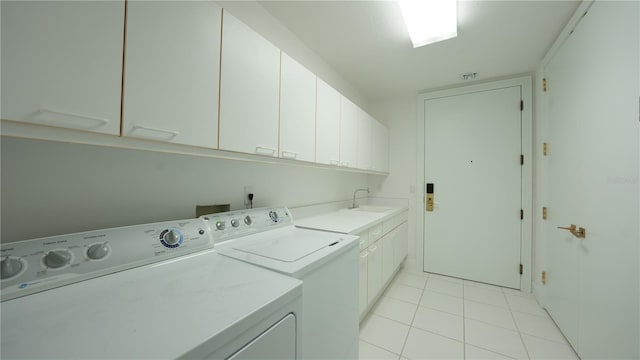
[(580, 233)]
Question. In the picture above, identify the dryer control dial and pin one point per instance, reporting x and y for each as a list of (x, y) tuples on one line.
[(97, 251), (10, 267), (248, 220), (220, 225), (274, 216), (235, 223), (56, 259), (171, 238)]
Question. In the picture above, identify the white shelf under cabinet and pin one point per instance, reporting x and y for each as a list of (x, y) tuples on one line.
[(171, 72), (62, 63), (249, 90)]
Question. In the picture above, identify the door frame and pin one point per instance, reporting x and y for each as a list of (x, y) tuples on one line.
[(527, 169)]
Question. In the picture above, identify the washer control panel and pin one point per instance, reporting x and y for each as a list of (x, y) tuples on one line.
[(232, 224), (35, 265)]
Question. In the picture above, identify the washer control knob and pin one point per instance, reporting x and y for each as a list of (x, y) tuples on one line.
[(274, 216), (248, 220), (235, 223), (57, 259), (10, 267), (220, 225), (171, 237), (97, 251)]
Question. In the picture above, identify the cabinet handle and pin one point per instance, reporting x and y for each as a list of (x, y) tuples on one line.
[(364, 254), (172, 134), (289, 154), (41, 117), (373, 248), (334, 162), (265, 151), (344, 163)]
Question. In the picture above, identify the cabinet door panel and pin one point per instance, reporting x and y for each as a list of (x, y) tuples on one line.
[(348, 133), (297, 111), (362, 297), (171, 72), (388, 257), (249, 90), (379, 147), (62, 63), (374, 271), (364, 137), (327, 125)]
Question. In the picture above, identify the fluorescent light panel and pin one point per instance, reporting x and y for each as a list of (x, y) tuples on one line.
[(429, 21)]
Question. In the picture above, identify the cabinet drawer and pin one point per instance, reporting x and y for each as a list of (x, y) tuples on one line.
[(390, 224), (364, 240), (375, 232)]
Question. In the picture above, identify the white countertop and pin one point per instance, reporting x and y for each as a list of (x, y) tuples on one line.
[(350, 221), (124, 315)]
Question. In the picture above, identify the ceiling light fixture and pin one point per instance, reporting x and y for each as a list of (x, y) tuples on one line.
[(429, 21)]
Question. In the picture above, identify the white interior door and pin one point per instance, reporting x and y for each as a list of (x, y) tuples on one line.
[(591, 108), (472, 156)]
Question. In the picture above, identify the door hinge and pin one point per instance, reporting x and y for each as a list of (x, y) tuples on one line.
[(545, 149), (544, 213), (521, 214), (521, 269), (521, 105), (521, 159), (544, 277), (544, 85)]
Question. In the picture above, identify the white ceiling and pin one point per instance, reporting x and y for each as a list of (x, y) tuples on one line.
[(366, 41)]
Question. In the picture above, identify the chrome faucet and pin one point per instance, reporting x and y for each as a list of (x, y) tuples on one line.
[(354, 197)]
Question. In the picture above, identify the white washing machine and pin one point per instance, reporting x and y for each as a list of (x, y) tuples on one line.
[(327, 264), (155, 291)]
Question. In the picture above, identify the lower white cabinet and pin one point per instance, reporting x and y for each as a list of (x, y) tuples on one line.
[(388, 259), (382, 250), (374, 271)]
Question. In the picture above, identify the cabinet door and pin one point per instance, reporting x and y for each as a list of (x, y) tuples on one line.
[(171, 72), (297, 111), (379, 147), (62, 63), (249, 90), (388, 257), (402, 245), (348, 133), (362, 297), (374, 271), (364, 135), (327, 125)]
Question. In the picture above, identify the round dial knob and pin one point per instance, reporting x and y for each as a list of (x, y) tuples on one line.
[(97, 251), (171, 238), (274, 216), (10, 267), (235, 223), (247, 220), (220, 225), (57, 258)]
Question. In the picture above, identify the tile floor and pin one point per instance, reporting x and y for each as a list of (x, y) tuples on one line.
[(429, 316)]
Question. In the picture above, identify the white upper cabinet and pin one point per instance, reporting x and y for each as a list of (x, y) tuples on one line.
[(171, 72), (62, 63), (348, 133), (249, 90), (327, 125), (365, 124), (380, 147), (297, 111)]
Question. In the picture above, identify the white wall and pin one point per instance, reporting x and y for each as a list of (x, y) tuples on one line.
[(400, 115), (51, 188)]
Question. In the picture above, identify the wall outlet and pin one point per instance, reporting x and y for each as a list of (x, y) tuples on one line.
[(248, 189)]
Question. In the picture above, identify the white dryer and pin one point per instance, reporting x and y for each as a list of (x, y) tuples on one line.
[(154, 291), (327, 264)]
